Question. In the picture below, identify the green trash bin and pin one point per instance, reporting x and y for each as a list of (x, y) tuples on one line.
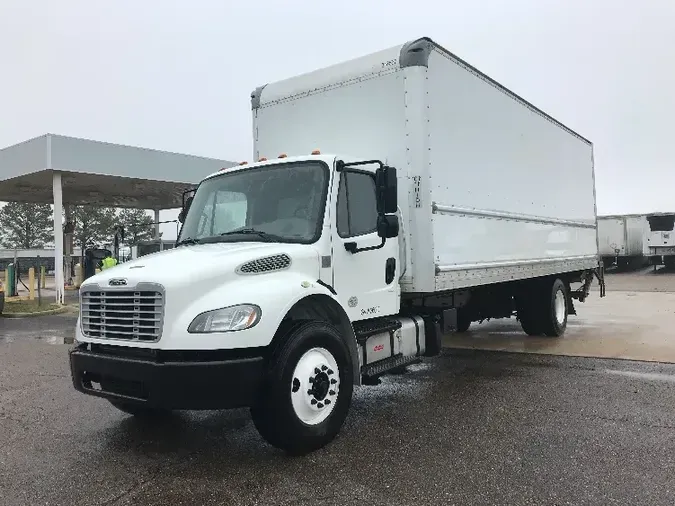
[(10, 291)]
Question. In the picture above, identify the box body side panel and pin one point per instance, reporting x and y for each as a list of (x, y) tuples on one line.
[(510, 188)]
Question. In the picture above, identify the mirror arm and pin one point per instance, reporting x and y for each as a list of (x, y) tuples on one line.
[(352, 248)]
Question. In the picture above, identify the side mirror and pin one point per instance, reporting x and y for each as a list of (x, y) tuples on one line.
[(387, 190), (387, 226), (186, 208)]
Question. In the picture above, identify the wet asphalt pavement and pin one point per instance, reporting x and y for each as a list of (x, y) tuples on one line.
[(469, 427)]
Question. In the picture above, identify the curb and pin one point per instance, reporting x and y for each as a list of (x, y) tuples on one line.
[(58, 310)]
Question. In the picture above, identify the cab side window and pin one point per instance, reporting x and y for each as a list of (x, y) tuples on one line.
[(356, 204)]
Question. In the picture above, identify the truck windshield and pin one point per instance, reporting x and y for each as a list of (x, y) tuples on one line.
[(281, 203)]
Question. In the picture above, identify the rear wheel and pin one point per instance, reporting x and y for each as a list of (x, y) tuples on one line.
[(530, 322), (555, 319), (307, 391), (463, 322), (543, 308)]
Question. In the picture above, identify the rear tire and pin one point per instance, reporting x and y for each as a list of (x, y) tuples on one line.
[(463, 323), (307, 391), (530, 322), (555, 319), (543, 310)]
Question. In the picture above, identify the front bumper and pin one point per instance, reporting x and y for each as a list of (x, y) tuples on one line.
[(165, 379)]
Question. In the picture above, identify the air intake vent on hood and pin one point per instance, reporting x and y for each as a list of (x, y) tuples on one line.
[(266, 264)]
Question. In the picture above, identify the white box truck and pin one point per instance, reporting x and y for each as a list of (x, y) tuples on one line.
[(438, 198), (622, 239), (661, 239)]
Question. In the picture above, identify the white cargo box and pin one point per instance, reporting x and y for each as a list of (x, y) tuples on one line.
[(623, 236), (661, 239), (491, 188)]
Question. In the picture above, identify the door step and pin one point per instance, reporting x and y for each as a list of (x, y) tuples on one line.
[(367, 328), (378, 368)]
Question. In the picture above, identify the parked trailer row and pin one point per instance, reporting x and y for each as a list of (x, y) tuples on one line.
[(622, 239), (661, 239), (634, 240)]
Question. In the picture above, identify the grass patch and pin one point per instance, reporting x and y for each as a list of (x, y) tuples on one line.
[(27, 306)]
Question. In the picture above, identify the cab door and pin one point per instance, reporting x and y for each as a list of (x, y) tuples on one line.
[(366, 282)]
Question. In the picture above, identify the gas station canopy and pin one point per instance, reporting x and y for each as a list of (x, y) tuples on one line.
[(60, 170), (99, 173)]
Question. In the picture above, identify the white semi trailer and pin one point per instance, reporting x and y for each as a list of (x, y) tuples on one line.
[(623, 239), (438, 198), (661, 239)]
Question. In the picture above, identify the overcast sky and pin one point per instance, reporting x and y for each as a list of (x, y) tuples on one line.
[(176, 75)]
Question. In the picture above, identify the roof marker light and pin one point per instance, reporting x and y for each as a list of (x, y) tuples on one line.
[(283, 155), (243, 163), (316, 152), (262, 159)]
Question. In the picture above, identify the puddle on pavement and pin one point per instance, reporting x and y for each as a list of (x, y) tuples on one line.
[(53, 339)]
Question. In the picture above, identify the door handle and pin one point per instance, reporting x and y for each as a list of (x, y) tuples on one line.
[(389, 270)]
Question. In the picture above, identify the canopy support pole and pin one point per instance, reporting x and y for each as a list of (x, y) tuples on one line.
[(58, 238)]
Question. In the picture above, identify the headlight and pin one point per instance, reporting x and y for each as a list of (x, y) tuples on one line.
[(227, 319)]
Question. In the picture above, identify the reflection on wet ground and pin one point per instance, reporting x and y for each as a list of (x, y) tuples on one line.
[(56, 338), (51, 329), (628, 325)]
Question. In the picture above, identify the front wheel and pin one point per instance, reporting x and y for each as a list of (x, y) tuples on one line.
[(307, 391)]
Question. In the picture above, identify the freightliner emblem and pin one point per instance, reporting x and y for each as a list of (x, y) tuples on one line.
[(117, 282)]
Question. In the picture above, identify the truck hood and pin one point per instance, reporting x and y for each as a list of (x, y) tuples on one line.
[(204, 262)]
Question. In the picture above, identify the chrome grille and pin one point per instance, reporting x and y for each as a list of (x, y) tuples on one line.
[(266, 264), (129, 315)]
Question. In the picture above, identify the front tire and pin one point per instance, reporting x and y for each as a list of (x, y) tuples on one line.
[(308, 389)]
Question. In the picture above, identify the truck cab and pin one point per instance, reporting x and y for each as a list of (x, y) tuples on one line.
[(277, 257), (333, 213)]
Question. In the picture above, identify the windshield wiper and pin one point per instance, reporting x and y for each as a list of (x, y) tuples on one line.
[(253, 231), (188, 240)]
